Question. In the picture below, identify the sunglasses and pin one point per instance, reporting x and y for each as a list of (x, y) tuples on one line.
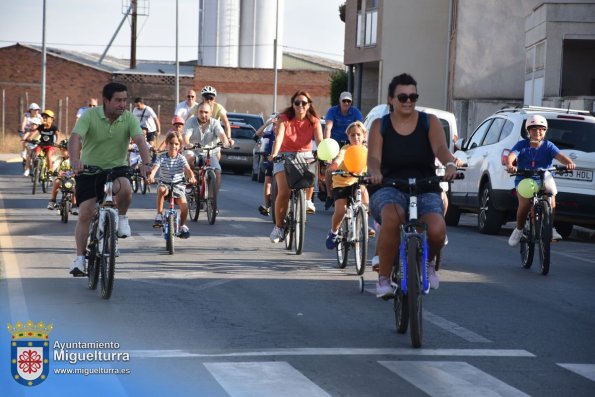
[(403, 97), (190, 96), (300, 103), (346, 101), (208, 97), (91, 105)]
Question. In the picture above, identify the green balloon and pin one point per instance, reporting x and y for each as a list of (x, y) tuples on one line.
[(527, 187), (327, 150)]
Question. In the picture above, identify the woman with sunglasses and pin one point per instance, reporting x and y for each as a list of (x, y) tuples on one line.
[(404, 144), (296, 126)]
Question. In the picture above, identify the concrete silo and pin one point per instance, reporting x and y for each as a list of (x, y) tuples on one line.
[(219, 26), (257, 33)]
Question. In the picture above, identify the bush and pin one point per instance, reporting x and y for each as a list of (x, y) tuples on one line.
[(338, 85)]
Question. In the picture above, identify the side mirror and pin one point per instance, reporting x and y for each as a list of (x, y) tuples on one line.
[(460, 143)]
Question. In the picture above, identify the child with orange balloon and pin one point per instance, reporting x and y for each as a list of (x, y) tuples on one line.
[(352, 158)]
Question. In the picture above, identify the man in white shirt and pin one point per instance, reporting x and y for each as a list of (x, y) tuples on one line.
[(147, 118), (187, 108)]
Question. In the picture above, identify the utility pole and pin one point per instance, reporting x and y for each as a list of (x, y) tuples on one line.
[(133, 36), (43, 61), (275, 56)]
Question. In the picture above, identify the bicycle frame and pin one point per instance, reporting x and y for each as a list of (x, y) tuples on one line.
[(205, 189), (171, 215)]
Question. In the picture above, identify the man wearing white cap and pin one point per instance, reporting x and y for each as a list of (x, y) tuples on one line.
[(32, 114), (339, 117)]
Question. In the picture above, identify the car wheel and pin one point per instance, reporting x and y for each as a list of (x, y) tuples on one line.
[(564, 229), (489, 219)]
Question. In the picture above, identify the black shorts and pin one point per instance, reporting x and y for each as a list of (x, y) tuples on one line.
[(343, 192), (91, 186), (151, 136)]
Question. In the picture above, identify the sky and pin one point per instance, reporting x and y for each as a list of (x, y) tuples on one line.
[(309, 26)]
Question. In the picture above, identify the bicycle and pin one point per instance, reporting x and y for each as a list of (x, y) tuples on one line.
[(67, 191), (539, 223), (41, 173), (137, 180), (300, 175), (103, 238), (171, 219), (410, 269), (353, 231), (203, 194)]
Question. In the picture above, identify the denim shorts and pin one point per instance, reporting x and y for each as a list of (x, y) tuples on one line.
[(280, 166), (427, 203)]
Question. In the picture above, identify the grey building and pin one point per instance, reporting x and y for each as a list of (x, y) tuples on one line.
[(472, 57)]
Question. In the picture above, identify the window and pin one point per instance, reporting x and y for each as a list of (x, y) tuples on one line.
[(493, 135), (367, 24), (478, 135)]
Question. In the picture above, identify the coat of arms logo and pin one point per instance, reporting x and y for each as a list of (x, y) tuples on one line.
[(29, 352)]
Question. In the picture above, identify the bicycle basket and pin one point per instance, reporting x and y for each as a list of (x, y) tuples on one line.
[(299, 173)]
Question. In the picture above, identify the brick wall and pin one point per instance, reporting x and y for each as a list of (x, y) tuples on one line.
[(70, 84)]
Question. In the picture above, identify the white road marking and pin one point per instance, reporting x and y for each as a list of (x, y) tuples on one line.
[(263, 379), (586, 370), (338, 351), (454, 328), (441, 378)]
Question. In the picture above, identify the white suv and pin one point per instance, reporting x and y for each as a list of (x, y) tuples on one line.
[(488, 189)]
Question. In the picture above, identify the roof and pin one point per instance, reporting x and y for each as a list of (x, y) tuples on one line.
[(293, 60), (117, 65)]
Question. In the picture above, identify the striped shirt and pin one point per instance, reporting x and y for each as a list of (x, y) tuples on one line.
[(171, 169)]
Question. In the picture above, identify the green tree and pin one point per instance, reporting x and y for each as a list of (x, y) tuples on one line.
[(338, 85)]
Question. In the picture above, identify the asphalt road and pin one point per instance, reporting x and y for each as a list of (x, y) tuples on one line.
[(230, 314)]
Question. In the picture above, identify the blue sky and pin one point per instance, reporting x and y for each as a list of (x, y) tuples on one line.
[(310, 26)]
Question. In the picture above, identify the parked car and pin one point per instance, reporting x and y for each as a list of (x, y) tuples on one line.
[(488, 189), (255, 120), (448, 120), (238, 158)]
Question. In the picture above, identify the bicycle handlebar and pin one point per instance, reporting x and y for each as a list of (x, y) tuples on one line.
[(409, 183), (527, 172)]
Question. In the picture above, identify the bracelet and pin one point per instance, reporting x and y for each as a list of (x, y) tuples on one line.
[(451, 163)]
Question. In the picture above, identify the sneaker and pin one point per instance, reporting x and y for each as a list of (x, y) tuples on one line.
[(371, 232), (375, 263), (515, 237), (277, 235), (158, 222), (24, 154), (383, 288), (52, 205), (123, 226), (331, 240), (328, 203), (74, 210), (310, 209), (77, 269), (433, 276), (266, 211), (446, 239), (26, 173), (184, 232), (555, 235)]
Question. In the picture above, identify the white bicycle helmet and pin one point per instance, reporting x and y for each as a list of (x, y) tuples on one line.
[(208, 90), (536, 119)]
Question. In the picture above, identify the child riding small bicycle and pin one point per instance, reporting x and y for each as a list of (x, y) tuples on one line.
[(530, 154), (62, 169), (343, 185), (173, 166)]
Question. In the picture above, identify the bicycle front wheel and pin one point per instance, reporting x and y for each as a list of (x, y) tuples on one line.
[(414, 296), (108, 254), (300, 221), (211, 197), (193, 203), (171, 231), (143, 185), (342, 244), (64, 209), (360, 244), (289, 225), (545, 236), (44, 177), (134, 182), (273, 198), (35, 179), (527, 244)]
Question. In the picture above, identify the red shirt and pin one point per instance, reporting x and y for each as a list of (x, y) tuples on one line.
[(298, 134)]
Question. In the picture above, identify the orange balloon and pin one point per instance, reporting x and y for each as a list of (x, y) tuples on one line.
[(356, 159)]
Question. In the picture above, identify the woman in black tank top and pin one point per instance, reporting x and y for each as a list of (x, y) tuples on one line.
[(405, 144)]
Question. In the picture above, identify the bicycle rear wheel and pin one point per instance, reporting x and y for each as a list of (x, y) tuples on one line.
[(300, 221), (134, 182), (527, 244), (211, 197), (361, 240), (35, 179), (273, 198), (193, 203), (171, 231), (414, 296), (342, 244), (545, 236), (108, 254), (143, 185), (93, 259)]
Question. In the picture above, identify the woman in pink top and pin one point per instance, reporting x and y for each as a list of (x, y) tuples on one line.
[(297, 125)]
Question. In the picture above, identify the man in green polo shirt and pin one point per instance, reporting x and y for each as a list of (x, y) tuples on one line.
[(100, 138)]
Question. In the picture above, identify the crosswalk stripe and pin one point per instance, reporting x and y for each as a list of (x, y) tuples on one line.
[(450, 378), (586, 370), (263, 379)]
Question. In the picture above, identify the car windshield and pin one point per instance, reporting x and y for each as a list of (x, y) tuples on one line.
[(241, 133), (570, 134), (254, 120)]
